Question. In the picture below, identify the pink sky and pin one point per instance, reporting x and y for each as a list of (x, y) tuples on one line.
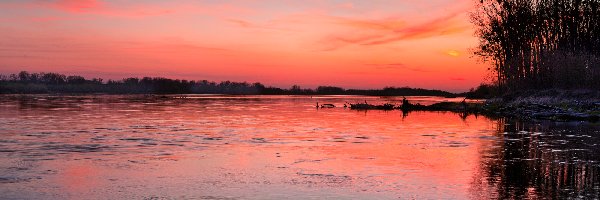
[(352, 44)]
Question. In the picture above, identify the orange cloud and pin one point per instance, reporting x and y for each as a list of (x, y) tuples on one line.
[(45, 19), (251, 25), (97, 7), (453, 53), (397, 66), (378, 32), (445, 25), (383, 24), (77, 5), (241, 23)]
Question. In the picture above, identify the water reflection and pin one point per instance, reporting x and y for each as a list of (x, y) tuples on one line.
[(270, 147), (543, 160)]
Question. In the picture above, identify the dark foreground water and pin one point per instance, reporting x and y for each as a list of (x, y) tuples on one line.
[(274, 147)]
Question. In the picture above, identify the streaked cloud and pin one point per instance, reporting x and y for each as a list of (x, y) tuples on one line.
[(458, 79), (396, 66), (90, 7), (385, 31), (78, 6)]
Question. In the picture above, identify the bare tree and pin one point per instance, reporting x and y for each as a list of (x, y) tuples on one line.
[(536, 44)]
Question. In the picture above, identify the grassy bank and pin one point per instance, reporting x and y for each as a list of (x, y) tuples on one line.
[(555, 104)]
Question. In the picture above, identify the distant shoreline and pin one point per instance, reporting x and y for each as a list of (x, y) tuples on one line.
[(55, 83)]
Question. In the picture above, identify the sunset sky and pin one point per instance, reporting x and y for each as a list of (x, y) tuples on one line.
[(347, 43)]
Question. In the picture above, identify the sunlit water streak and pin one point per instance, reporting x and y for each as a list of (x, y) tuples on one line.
[(272, 147)]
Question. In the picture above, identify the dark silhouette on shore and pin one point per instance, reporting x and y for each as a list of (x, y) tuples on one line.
[(540, 44), (39, 83)]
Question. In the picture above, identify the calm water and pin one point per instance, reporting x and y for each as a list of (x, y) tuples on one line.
[(273, 147)]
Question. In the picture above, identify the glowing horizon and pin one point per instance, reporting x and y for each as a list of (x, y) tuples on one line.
[(351, 44)]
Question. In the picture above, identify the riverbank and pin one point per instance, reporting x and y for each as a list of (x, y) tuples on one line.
[(555, 105), (558, 105)]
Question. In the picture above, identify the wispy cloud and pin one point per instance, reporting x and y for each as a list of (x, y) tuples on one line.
[(78, 6), (384, 31), (93, 7), (396, 66), (45, 19), (252, 25), (377, 24), (82, 45), (242, 23), (171, 47)]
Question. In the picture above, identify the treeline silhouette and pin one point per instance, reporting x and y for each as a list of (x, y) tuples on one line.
[(36, 83), (540, 44)]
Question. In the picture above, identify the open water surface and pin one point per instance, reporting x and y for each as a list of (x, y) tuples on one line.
[(274, 147)]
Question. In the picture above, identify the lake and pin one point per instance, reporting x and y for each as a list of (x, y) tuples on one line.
[(274, 147)]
